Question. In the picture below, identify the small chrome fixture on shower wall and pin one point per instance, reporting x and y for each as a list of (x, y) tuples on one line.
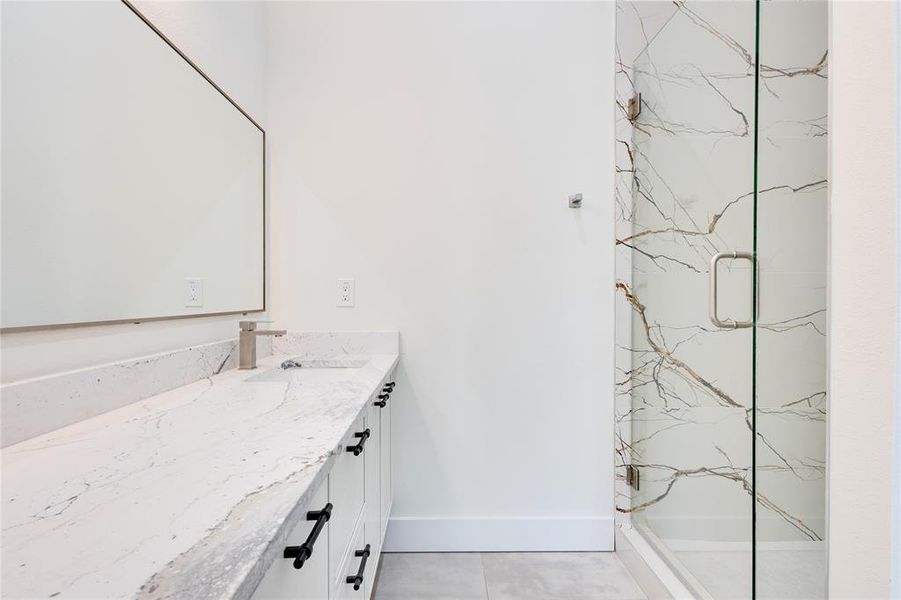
[(575, 201)]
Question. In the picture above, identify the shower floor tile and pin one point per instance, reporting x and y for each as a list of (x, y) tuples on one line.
[(782, 574)]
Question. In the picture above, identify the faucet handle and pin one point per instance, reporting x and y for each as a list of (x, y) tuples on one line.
[(250, 325)]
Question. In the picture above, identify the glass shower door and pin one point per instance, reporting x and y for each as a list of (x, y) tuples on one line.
[(691, 290), (721, 236), (791, 370)]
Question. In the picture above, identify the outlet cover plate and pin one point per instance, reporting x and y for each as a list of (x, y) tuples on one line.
[(345, 293), (193, 291)]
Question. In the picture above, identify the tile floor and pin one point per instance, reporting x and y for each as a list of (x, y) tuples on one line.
[(506, 576)]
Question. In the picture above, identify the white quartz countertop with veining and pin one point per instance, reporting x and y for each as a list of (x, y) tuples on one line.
[(188, 494)]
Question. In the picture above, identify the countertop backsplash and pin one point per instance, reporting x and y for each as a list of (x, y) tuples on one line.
[(34, 406), (303, 344)]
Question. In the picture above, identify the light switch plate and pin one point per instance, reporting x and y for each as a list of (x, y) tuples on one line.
[(193, 291), (345, 292)]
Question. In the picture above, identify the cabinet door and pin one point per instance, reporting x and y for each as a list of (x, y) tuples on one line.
[(311, 581), (372, 521), (373, 481), (385, 490), (346, 481), (351, 567)]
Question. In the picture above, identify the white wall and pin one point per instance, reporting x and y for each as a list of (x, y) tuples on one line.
[(226, 40), (895, 568), (863, 309), (427, 150)]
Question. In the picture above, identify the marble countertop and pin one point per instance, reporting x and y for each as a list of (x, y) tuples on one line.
[(188, 494)]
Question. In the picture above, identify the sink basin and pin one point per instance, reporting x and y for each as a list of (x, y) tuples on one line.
[(310, 370)]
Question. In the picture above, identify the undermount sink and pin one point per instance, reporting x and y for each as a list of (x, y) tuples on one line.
[(311, 370)]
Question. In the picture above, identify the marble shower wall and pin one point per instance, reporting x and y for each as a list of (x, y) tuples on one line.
[(627, 43), (684, 191)]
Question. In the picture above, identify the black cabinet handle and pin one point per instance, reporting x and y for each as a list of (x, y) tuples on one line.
[(357, 579), (388, 387), (382, 401), (358, 448), (301, 553)]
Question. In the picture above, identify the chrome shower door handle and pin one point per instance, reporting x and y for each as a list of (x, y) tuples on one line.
[(727, 323)]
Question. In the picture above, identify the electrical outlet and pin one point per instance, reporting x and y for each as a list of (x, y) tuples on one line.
[(345, 292), (193, 291)]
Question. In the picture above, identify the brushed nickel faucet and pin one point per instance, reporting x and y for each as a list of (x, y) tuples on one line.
[(247, 342)]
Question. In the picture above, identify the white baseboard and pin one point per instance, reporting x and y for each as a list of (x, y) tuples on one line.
[(523, 534)]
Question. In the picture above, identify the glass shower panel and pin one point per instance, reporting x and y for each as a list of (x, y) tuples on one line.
[(690, 382), (791, 333)]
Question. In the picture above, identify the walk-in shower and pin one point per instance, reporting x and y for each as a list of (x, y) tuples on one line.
[(721, 291)]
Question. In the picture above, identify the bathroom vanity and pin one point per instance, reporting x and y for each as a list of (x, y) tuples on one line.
[(174, 475), (270, 483)]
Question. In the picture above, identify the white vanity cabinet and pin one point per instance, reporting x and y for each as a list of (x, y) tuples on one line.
[(358, 493)]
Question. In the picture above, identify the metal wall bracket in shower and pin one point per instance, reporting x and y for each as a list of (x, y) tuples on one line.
[(633, 108), (633, 477)]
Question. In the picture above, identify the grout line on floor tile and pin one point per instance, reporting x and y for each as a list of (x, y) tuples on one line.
[(628, 574), (484, 577)]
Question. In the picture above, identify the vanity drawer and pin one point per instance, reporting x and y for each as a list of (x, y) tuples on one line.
[(311, 581), (354, 565), (346, 491)]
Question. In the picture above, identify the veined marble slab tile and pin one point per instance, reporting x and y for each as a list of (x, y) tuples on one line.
[(35, 406), (314, 344), (189, 494)]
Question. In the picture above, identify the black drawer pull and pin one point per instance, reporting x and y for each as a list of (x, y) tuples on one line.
[(388, 386), (358, 448), (301, 553), (357, 579), (382, 401)]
